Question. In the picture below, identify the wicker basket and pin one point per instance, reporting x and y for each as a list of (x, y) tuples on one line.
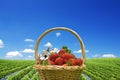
[(54, 72)]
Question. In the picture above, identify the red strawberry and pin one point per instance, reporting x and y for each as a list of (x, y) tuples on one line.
[(75, 62), (67, 56), (71, 56), (53, 57), (64, 65), (79, 61), (59, 61), (51, 62), (61, 52)]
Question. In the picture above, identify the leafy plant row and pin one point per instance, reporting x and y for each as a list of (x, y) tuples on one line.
[(29, 75), (99, 69), (7, 72), (21, 74), (8, 67), (35, 76)]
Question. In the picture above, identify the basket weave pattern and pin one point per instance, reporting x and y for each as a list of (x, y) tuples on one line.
[(53, 72)]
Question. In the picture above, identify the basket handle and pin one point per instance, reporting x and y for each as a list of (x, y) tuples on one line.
[(60, 28)]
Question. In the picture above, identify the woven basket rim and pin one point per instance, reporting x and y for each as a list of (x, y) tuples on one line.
[(57, 67)]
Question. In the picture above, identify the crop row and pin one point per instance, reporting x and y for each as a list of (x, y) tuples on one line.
[(8, 67), (101, 70), (21, 74), (8, 72), (29, 75)]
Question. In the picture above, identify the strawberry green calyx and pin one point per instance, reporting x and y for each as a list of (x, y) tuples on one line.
[(45, 62), (66, 49)]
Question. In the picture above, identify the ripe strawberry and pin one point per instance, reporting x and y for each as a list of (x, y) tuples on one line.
[(71, 56), (64, 65), (79, 61), (59, 61), (67, 56), (76, 61), (53, 57), (51, 62), (61, 52), (73, 62)]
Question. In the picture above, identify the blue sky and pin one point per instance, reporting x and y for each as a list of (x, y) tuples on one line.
[(23, 21)]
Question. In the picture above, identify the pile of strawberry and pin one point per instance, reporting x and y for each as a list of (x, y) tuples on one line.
[(64, 58)]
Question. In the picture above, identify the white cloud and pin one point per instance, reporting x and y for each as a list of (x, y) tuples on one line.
[(28, 51), (1, 44), (30, 56), (86, 51), (109, 55), (29, 40), (30, 45), (80, 51), (96, 55), (48, 44), (13, 54), (58, 34)]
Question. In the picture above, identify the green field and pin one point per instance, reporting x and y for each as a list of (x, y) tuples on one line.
[(103, 69), (96, 69)]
